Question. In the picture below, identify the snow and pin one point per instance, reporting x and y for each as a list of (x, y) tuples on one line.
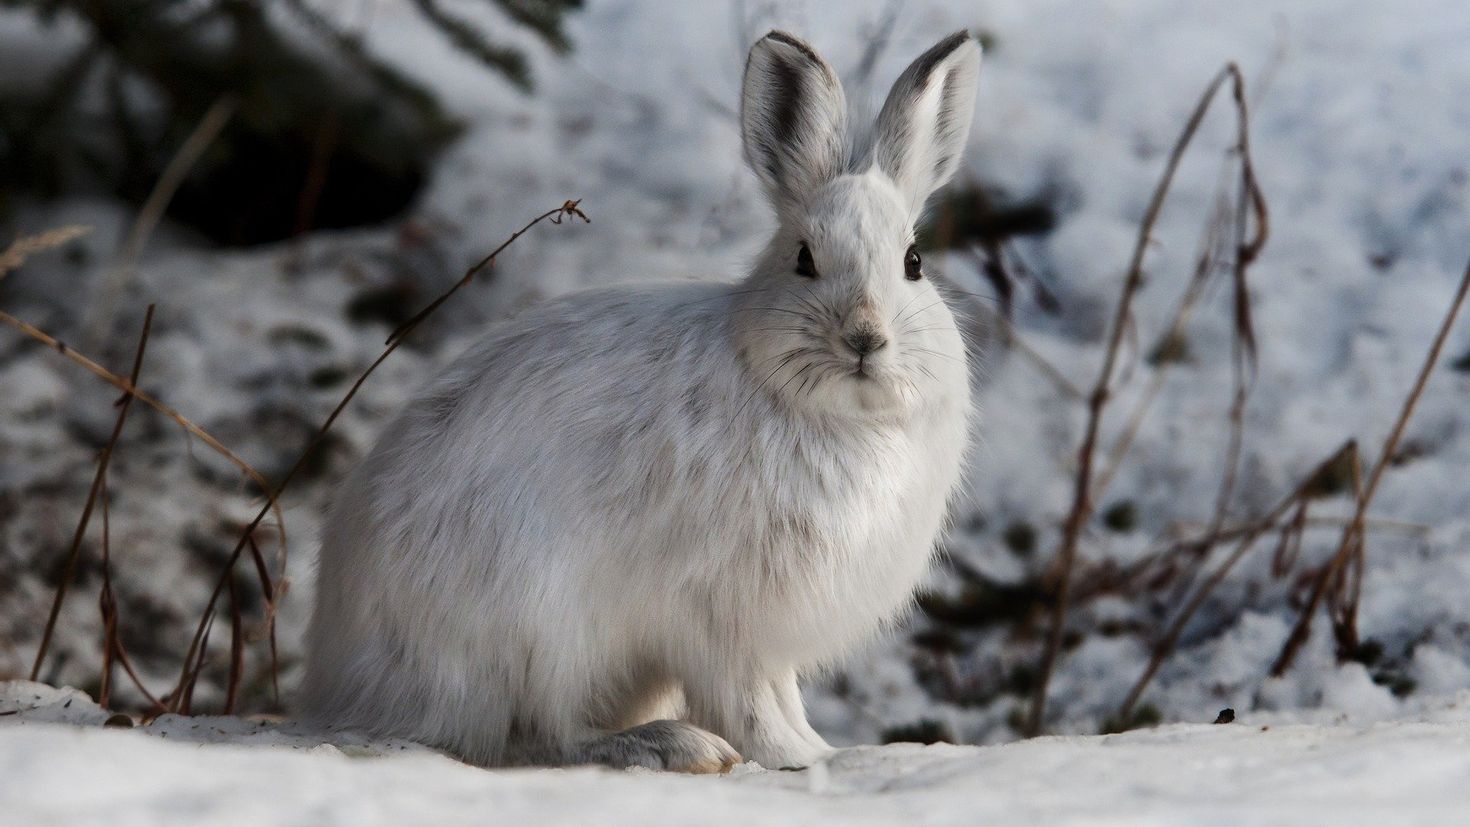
[(228, 771), (1361, 133)]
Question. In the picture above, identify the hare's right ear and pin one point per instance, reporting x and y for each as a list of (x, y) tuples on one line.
[(792, 119), (922, 128)]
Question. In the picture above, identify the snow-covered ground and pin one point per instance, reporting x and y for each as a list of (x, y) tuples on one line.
[(1259, 770), (1361, 134)]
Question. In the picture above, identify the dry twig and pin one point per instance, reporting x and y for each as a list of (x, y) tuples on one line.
[(1166, 645), (107, 604), (1169, 346), (1082, 502), (26, 246), (1351, 547), (98, 480)]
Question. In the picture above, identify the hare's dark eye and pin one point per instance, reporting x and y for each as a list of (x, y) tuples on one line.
[(805, 266), (912, 264)]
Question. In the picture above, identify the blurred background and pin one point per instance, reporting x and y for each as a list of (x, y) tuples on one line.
[(289, 181)]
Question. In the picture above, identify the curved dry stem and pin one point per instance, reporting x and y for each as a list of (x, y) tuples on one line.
[(1353, 536), (1247, 250), (98, 481), (26, 246)]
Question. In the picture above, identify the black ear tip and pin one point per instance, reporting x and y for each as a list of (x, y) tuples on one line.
[(788, 39), (954, 41), (925, 63)]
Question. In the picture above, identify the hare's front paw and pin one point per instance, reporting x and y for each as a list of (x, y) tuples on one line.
[(793, 754), (662, 745)]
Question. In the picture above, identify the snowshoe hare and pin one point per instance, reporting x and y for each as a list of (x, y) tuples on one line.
[(619, 527)]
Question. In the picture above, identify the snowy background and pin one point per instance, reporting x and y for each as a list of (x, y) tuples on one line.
[(1361, 139)]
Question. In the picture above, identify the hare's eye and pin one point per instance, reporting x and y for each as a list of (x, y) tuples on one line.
[(805, 266), (912, 264)]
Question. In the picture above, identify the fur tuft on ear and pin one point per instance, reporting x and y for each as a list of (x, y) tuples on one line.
[(923, 125), (792, 119)]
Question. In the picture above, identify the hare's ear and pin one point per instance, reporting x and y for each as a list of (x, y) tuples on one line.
[(922, 128), (792, 119)]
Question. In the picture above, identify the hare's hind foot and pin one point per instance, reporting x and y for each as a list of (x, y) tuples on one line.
[(660, 745)]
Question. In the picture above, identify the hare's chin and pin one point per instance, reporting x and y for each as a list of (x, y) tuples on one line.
[(874, 392)]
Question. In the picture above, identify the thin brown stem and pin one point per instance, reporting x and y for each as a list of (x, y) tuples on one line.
[(1173, 338), (107, 604), (1353, 535), (269, 592), (124, 405), (1166, 645), (237, 650), (23, 248), (1082, 503)]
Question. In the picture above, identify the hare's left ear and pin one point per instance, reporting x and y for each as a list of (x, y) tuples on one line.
[(792, 119), (922, 128)]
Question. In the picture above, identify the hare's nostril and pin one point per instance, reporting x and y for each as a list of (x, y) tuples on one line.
[(865, 341)]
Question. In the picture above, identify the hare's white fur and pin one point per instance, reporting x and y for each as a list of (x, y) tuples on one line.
[(667, 502)]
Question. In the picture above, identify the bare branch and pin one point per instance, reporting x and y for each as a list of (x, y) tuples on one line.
[(1082, 503), (124, 405), (1353, 536)]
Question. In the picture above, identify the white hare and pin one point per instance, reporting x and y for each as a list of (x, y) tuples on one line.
[(619, 527)]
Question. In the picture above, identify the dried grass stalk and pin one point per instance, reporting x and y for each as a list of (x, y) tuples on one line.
[(1252, 202)]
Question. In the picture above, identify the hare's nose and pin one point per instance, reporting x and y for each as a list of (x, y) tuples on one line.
[(865, 340)]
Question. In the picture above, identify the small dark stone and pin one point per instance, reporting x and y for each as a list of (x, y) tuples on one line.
[(390, 304), (119, 721), (1020, 538), (1021, 680), (1226, 716), (1399, 684), (327, 376), (1402, 686), (1368, 653), (922, 731), (1121, 517)]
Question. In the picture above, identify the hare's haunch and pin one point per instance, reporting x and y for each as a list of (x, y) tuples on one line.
[(619, 527)]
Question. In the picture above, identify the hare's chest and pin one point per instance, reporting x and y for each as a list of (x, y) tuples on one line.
[(845, 536)]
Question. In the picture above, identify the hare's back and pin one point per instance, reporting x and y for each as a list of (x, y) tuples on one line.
[(574, 392), (598, 353)]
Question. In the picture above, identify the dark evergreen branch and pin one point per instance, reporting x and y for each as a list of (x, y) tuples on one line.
[(473, 43), (543, 17)]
